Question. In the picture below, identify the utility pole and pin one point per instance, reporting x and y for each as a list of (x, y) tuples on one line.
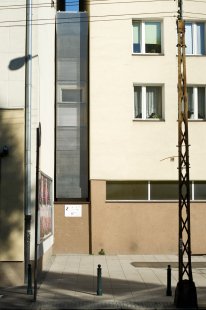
[(185, 294)]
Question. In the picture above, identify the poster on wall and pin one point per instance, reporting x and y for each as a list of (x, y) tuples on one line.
[(73, 210), (45, 206)]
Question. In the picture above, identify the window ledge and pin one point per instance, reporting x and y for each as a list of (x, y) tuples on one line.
[(67, 201), (148, 120), (196, 120), (193, 55), (148, 54), (151, 201), (141, 201)]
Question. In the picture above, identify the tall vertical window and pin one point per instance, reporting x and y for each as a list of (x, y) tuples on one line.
[(195, 38), (146, 37), (196, 102), (148, 102), (71, 131)]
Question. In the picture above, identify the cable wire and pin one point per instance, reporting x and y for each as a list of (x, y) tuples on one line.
[(85, 17), (77, 21), (68, 3)]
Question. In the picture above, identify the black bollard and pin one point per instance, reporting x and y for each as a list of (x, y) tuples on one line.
[(169, 290), (99, 280), (29, 284)]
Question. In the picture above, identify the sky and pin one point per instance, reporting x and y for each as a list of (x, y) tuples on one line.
[(72, 5)]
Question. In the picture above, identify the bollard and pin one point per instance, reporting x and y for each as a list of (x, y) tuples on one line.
[(99, 280), (29, 284), (169, 290)]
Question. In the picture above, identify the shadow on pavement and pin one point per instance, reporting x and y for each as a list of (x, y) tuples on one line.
[(78, 291)]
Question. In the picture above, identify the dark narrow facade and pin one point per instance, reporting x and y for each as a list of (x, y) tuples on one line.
[(71, 107)]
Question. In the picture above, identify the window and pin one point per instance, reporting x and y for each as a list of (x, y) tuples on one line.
[(195, 38), (199, 190), (152, 190), (164, 190), (146, 37), (71, 95), (148, 102), (196, 102), (126, 190)]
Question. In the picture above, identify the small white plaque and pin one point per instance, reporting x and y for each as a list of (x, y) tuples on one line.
[(73, 210)]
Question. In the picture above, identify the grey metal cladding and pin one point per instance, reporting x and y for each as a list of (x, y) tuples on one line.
[(72, 105)]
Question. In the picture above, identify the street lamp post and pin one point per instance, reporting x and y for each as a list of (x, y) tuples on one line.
[(28, 99)]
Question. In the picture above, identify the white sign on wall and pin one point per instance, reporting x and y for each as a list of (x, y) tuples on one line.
[(73, 210)]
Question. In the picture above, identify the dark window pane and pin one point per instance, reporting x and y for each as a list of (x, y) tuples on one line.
[(136, 37), (71, 95), (126, 190), (200, 190), (138, 101), (201, 102), (167, 190), (136, 48), (164, 190), (153, 48), (190, 103), (200, 38)]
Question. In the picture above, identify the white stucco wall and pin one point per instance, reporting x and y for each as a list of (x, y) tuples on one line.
[(43, 93), (12, 34), (121, 148), (44, 79)]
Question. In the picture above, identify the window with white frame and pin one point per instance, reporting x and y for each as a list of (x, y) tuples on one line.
[(148, 102), (147, 37), (162, 190), (196, 102), (195, 38)]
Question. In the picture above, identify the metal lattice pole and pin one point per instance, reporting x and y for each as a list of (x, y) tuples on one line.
[(185, 295), (185, 268)]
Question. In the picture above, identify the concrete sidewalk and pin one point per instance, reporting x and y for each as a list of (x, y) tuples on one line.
[(128, 282)]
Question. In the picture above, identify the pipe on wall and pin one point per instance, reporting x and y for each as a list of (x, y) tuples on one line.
[(28, 104)]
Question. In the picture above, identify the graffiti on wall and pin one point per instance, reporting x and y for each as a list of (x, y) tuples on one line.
[(45, 206)]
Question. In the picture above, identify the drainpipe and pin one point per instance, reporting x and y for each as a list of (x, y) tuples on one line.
[(28, 96)]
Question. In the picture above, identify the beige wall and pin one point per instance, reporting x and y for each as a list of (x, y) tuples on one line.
[(12, 273), (141, 228), (121, 148), (72, 234), (11, 186)]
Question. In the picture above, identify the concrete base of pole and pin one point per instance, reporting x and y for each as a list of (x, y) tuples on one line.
[(186, 295)]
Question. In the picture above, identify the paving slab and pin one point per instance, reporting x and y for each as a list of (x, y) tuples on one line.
[(128, 282)]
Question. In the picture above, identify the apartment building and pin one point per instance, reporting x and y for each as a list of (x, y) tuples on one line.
[(132, 202), (133, 125)]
